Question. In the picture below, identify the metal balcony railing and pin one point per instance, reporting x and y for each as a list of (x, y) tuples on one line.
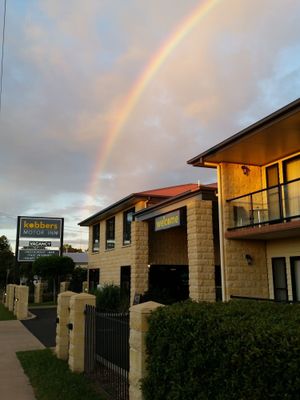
[(275, 204)]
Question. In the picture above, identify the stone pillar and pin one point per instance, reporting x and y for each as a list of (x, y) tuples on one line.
[(76, 349), (38, 292), (138, 358), (10, 296), (21, 302), (64, 286), (62, 331), (201, 251), (85, 288), (140, 258)]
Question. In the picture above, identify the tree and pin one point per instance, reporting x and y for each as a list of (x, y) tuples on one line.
[(53, 267), (68, 248), (7, 260)]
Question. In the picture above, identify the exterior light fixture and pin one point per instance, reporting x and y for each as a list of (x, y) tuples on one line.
[(249, 259), (245, 169)]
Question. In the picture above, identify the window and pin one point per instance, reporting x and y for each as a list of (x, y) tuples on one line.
[(279, 279), (291, 170), (127, 219), (110, 233), (274, 201), (96, 237)]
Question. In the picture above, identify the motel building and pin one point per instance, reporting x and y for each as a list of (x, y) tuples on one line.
[(164, 240), (259, 207)]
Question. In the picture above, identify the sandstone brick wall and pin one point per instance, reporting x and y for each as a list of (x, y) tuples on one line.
[(110, 261), (140, 256), (240, 278), (201, 254)]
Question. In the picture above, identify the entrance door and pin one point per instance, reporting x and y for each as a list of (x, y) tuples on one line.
[(279, 279), (295, 272), (273, 193), (291, 170)]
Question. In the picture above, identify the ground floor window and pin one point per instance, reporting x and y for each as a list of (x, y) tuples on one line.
[(94, 278), (295, 275), (279, 279)]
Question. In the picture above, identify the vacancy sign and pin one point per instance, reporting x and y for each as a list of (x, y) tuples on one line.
[(39, 237)]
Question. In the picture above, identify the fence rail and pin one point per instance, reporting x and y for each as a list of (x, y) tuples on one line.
[(107, 351)]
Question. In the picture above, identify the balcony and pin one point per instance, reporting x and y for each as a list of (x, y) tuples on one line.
[(269, 213)]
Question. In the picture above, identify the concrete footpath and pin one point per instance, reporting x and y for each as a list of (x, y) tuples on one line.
[(14, 384)]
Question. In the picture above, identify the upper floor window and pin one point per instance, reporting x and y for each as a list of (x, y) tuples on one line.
[(127, 219), (110, 233), (96, 237)]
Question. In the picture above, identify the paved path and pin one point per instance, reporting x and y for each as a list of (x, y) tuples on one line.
[(43, 327), (14, 384)]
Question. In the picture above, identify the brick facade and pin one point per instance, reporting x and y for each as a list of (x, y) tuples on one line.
[(240, 278)]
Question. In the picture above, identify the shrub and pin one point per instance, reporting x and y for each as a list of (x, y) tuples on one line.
[(233, 351), (109, 298)]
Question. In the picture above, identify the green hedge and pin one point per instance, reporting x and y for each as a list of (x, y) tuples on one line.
[(224, 351), (110, 298)]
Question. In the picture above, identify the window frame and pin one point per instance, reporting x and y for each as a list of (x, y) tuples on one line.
[(127, 226), (94, 233), (110, 233)]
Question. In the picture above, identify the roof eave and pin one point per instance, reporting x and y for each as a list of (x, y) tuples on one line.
[(200, 159)]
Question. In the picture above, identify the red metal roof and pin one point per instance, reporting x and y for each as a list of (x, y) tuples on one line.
[(160, 194), (170, 190)]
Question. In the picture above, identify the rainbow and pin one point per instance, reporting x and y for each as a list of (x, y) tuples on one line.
[(142, 82)]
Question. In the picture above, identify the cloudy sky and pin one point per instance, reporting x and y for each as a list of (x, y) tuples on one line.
[(69, 69)]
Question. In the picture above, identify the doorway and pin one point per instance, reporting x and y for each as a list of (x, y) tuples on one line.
[(279, 279), (125, 281), (295, 273), (94, 278), (170, 283)]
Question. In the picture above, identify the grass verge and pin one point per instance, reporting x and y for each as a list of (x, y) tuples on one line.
[(5, 315), (52, 379)]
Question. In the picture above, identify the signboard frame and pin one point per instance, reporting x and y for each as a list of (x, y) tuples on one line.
[(168, 220), (42, 237)]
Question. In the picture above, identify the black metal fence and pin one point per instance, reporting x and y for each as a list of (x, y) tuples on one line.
[(107, 351)]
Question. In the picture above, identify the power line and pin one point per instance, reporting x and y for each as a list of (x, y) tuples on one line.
[(2, 55)]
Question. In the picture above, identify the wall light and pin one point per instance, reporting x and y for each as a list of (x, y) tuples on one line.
[(245, 169), (249, 259)]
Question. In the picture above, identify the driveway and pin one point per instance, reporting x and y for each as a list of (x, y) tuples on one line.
[(43, 326)]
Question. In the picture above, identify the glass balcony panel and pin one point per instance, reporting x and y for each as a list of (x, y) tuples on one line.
[(291, 194), (241, 211), (260, 211), (273, 201), (275, 204)]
